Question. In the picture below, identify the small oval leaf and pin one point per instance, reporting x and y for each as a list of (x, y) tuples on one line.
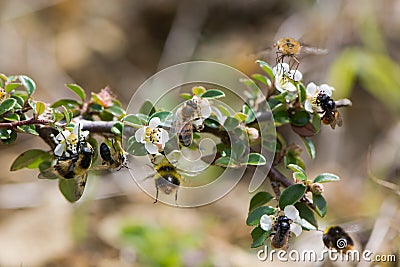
[(39, 108), (213, 93), (260, 199), (255, 215), (320, 205), (30, 159), (79, 91), (7, 105), (291, 195), (256, 159), (296, 168), (258, 235), (28, 83), (326, 177), (309, 147)]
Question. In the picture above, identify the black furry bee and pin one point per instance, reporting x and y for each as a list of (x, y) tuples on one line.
[(73, 164), (335, 237), (113, 156), (331, 115), (282, 233)]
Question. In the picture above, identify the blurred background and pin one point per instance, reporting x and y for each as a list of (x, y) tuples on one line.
[(120, 43)]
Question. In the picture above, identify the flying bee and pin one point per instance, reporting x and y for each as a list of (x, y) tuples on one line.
[(331, 115), (335, 237), (73, 164), (282, 233), (291, 48), (188, 116), (166, 177), (113, 156)]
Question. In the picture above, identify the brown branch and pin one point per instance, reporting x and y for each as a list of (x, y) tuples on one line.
[(14, 124), (277, 176)]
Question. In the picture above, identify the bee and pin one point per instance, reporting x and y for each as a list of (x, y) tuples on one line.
[(282, 233), (335, 237), (74, 164), (187, 118), (167, 178), (290, 47), (114, 156), (331, 115)]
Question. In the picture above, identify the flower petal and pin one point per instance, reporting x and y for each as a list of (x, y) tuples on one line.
[(291, 212), (139, 135), (290, 87), (311, 89), (63, 135), (59, 150), (77, 129), (279, 81), (205, 108), (296, 229), (326, 89), (296, 75), (164, 136), (151, 148), (154, 122), (308, 106), (280, 69), (266, 222)]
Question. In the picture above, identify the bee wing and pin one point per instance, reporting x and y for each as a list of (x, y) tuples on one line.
[(72, 189), (49, 173), (343, 102), (314, 50)]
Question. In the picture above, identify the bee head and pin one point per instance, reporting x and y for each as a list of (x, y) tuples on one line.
[(86, 149)]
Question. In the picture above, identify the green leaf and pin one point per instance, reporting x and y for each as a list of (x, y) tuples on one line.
[(320, 205), (136, 148), (302, 92), (20, 100), (39, 108), (300, 118), (116, 110), (251, 116), (12, 137), (316, 122), (240, 116), (260, 199), (256, 214), (291, 195), (28, 83), (309, 147), (11, 117), (266, 68), (263, 79), (79, 91), (147, 108), (212, 122), (11, 86), (296, 168), (281, 117), (238, 148), (68, 188), (98, 108), (213, 93), (326, 177), (132, 120), (30, 159), (230, 123), (224, 161), (30, 129), (256, 159), (300, 176), (7, 105), (198, 90), (163, 115), (186, 96), (258, 235), (67, 115), (306, 213), (71, 103), (224, 111), (117, 128)]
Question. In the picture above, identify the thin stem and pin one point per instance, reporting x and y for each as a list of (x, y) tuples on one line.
[(14, 124)]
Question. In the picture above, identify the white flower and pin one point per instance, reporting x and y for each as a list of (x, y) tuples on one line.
[(292, 213), (152, 137), (266, 222), (67, 141), (283, 75), (205, 109), (313, 91)]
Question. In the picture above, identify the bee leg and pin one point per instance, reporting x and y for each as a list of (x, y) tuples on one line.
[(155, 201), (176, 198)]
